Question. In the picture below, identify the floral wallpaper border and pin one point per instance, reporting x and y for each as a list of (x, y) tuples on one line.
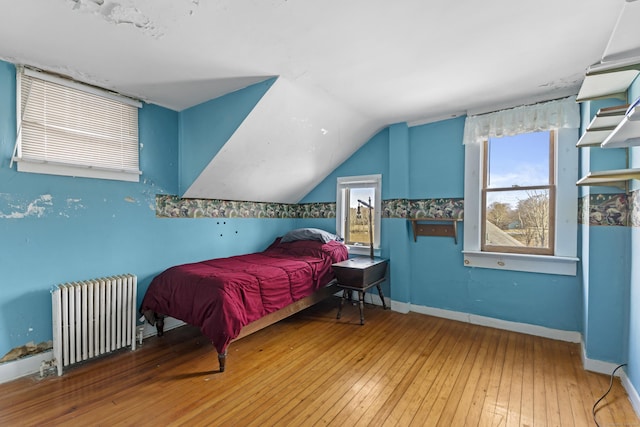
[(634, 208), (615, 209), (174, 207), (168, 206), (618, 209), (423, 208)]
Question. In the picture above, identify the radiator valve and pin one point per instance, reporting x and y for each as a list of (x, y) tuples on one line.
[(140, 333)]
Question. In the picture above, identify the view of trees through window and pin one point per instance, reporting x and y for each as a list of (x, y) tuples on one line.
[(527, 221), (519, 193), (357, 226)]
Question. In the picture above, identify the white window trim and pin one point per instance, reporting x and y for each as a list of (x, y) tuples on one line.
[(65, 169), (565, 260), (354, 182)]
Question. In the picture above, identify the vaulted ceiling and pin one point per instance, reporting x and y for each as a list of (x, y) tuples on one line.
[(345, 68)]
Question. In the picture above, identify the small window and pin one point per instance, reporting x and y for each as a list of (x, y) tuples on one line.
[(67, 128), (518, 194), (358, 212)]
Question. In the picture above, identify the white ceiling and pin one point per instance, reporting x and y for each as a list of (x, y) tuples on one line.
[(378, 62)]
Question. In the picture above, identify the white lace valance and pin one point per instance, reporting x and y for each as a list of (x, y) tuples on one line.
[(563, 113)]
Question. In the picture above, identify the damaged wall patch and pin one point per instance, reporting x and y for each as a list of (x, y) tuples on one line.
[(116, 13), (16, 209), (146, 16)]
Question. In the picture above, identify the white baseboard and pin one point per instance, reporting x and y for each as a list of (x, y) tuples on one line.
[(524, 328), (631, 392), (169, 323), (400, 307), (607, 368), (597, 366), (15, 369)]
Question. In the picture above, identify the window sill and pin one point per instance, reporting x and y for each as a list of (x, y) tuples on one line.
[(562, 265), (51, 168), (362, 250)]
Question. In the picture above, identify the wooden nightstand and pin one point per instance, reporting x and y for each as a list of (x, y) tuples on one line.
[(359, 274)]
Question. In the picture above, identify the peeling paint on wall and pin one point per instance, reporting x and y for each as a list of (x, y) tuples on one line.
[(10, 208), (15, 207), (118, 14), (131, 13), (71, 206), (28, 349)]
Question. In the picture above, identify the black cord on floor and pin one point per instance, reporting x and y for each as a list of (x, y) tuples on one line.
[(593, 410)]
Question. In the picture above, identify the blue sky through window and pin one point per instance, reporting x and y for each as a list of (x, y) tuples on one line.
[(517, 161), (362, 194)]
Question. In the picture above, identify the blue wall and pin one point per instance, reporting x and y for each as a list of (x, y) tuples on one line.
[(633, 343), (606, 272), (56, 229), (430, 272)]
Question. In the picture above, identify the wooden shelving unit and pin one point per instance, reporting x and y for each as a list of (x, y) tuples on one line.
[(447, 227)]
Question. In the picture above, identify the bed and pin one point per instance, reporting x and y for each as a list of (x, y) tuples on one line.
[(228, 298)]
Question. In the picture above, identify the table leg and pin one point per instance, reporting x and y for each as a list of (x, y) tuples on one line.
[(361, 298), (344, 296), (384, 305)]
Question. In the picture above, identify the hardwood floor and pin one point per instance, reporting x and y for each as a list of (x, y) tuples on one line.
[(310, 369)]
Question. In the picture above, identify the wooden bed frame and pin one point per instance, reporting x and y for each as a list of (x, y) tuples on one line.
[(271, 318)]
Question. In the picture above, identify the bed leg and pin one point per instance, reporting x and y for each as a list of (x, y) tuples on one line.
[(222, 359), (160, 326), (155, 319)]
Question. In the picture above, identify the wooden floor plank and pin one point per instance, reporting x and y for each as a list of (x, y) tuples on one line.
[(527, 411), (465, 382), (435, 400), (330, 379), (515, 407), (490, 396), (391, 382), (379, 378), (417, 381), (539, 396), (467, 409), (474, 412), (310, 369)]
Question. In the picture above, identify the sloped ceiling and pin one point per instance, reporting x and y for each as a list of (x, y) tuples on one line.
[(348, 67), (291, 140)]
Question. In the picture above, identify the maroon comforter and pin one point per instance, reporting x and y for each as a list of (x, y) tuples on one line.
[(222, 295)]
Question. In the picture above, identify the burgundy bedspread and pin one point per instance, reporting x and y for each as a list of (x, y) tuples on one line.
[(222, 295)]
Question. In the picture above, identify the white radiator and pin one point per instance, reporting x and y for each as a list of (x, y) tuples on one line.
[(92, 318)]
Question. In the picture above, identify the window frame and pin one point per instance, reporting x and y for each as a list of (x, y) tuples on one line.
[(52, 166), (564, 260), (551, 187), (342, 206)]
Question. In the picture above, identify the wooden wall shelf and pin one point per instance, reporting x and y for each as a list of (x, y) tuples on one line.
[(447, 227)]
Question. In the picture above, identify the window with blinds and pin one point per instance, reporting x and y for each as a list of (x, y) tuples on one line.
[(66, 128)]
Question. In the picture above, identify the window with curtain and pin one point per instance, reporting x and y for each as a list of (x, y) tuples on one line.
[(67, 128), (520, 207)]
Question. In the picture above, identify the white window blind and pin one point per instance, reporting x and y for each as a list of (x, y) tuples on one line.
[(67, 129)]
